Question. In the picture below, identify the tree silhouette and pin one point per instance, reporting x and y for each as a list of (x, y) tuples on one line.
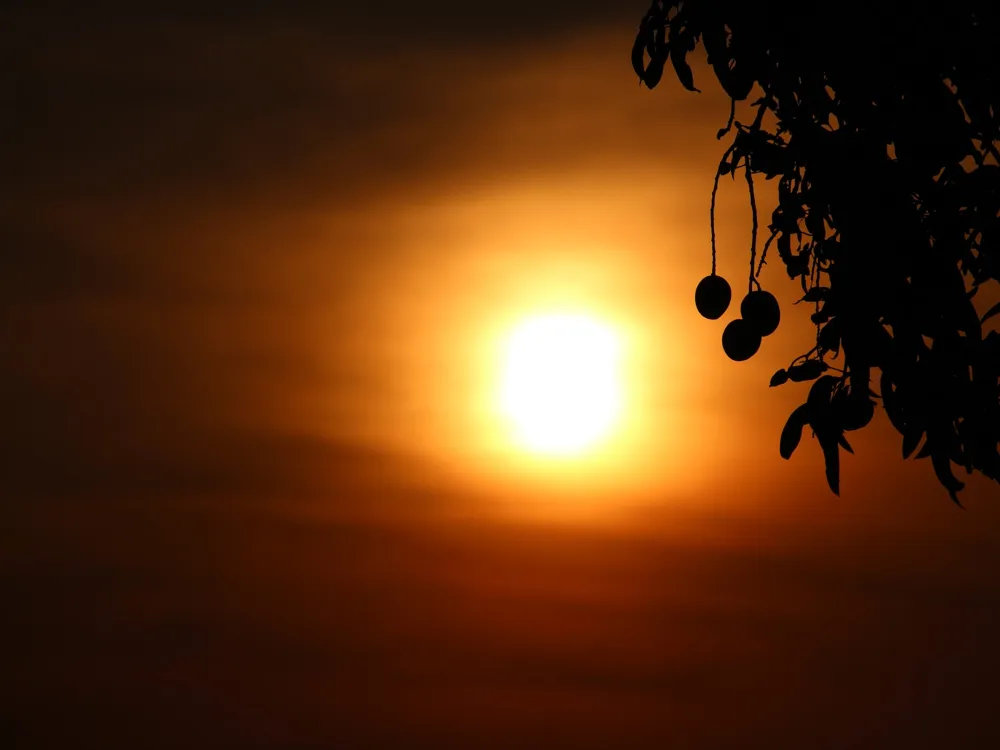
[(879, 122)]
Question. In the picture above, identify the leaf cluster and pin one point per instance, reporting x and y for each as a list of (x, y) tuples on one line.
[(879, 123)]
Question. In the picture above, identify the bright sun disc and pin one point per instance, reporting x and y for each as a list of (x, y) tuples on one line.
[(561, 386)]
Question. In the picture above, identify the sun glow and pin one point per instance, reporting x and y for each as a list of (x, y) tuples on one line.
[(561, 384)]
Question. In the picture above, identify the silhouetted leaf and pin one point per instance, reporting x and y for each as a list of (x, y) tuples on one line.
[(639, 56), (816, 294), (808, 370), (784, 245), (891, 403), (853, 411), (798, 265), (683, 70), (820, 393), (911, 439), (736, 81), (770, 159), (961, 315), (713, 35), (815, 225), (829, 443), (779, 378), (942, 468), (829, 336), (995, 310), (822, 315), (844, 444), (653, 74), (791, 434)]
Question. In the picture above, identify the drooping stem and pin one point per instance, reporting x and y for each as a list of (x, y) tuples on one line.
[(715, 189), (729, 123), (763, 253), (753, 230)]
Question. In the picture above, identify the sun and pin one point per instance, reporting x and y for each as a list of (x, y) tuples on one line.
[(561, 386)]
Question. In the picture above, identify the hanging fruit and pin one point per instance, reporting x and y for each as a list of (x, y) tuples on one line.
[(760, 310), (712, 297), (739, 340)]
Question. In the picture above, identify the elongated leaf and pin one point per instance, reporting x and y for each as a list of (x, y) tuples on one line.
[(942, 468), (816, 294), (965, 318), (820, 392), (809, 370), (653, 74), (815, 225), (960, 456), (791, 434), (683, 70), (714, 37), (779, 378), (736, 81), (890, 401), (831, 454), (785, 246), (995, 310), (911, 439), (844, 444), (829, 336), (638, 56)]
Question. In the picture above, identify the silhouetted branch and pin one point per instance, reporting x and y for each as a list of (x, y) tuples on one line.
[(888, 205)]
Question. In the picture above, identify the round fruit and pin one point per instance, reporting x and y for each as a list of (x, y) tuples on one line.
[(712, 297), (760, 310), (740, 341)]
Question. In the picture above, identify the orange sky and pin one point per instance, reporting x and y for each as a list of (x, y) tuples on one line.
[(258, 263)]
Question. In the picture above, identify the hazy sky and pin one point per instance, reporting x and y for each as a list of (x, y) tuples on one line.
[(256, 258)]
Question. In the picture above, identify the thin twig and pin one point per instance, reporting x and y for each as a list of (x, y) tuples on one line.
[(729, 124), (763, 253), (753, 231), (761, 109), (715, 189)]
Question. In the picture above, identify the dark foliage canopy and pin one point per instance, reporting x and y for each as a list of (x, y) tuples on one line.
[(879, 121)]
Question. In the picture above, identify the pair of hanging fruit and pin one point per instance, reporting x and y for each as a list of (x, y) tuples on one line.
[(759, 313)]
